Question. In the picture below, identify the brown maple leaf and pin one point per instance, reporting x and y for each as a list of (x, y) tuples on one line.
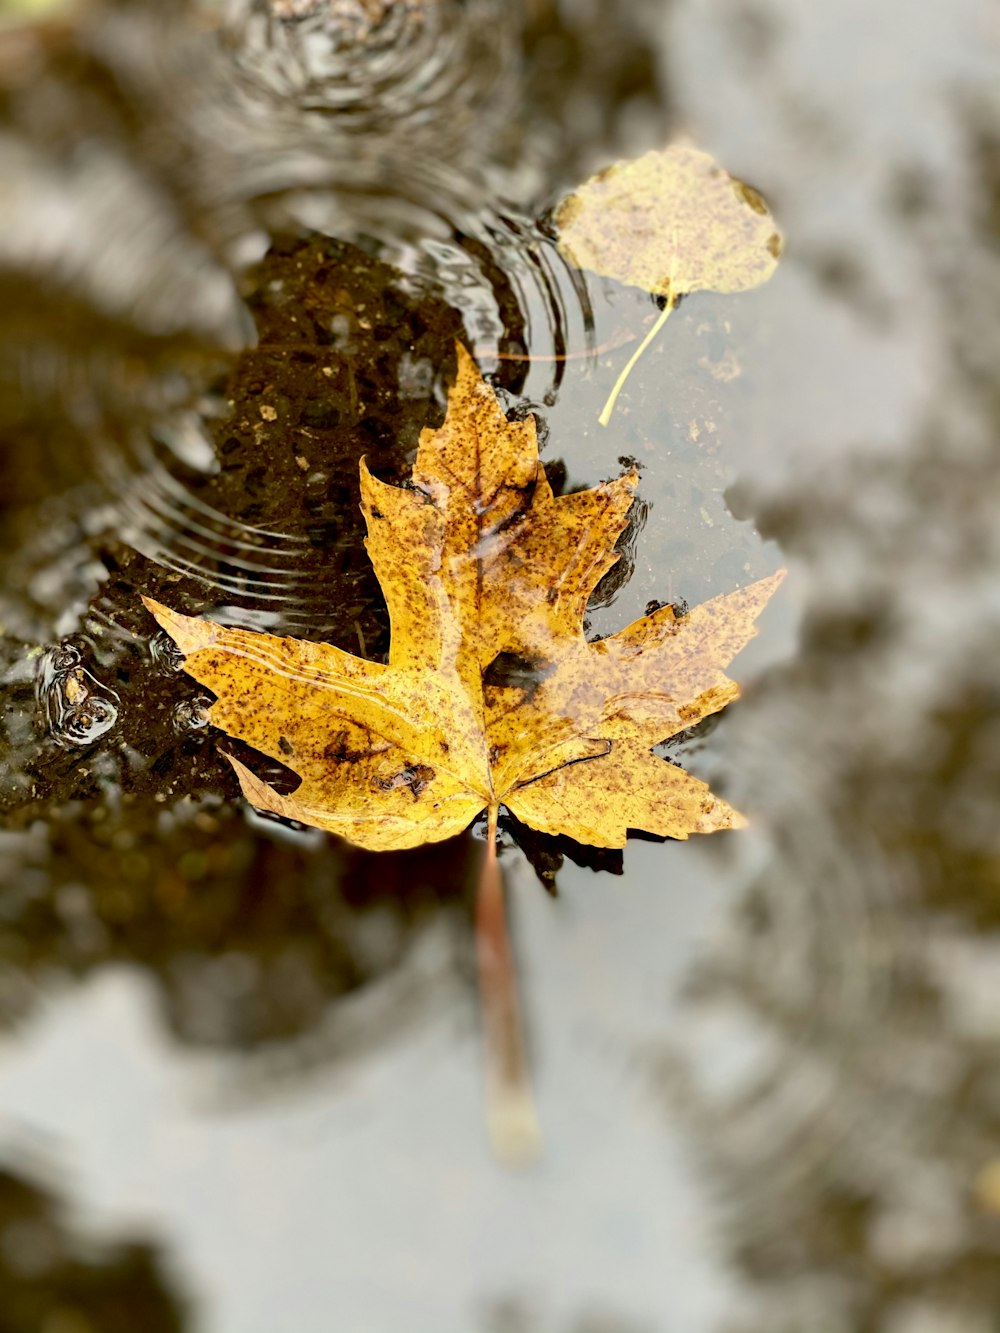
[(491, 695)]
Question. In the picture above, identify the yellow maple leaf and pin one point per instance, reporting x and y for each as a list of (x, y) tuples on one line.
[(491, 696), (671, 222)]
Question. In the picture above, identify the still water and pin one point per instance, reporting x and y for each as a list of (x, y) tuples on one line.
[(240, 1072)]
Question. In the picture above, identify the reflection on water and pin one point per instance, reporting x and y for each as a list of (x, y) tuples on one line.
[(53, 1276), (848, 1115), (768, 1069)]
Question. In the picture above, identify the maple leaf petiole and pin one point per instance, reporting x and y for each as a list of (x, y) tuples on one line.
[(510, 1103), (609, 406)]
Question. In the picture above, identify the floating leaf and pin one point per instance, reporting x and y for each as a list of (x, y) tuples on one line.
[(491, 696), (671, 222)]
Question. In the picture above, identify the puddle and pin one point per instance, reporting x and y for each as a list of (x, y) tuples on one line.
[(240, 1079)]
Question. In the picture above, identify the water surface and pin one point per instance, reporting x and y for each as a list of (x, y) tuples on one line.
[(240, 1078)]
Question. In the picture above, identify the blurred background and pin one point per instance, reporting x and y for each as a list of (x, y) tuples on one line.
[(240, 1085)]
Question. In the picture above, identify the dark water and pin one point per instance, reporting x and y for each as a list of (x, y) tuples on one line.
[(240, 1084)]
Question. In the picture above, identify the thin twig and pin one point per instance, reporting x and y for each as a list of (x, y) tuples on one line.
[(510, 1105)]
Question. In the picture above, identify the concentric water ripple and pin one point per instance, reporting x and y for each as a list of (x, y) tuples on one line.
[(78, 708), (381, 122), (377, 62), (511, 291)]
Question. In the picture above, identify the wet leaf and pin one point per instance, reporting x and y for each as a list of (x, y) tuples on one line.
[(671, 222), (491, 695)]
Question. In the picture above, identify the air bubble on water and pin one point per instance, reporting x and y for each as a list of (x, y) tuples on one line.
[(191, 714), (167, 658), (77, 708)]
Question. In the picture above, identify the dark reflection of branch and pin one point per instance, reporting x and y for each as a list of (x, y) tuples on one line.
[(249, 936), (854, 1145), (53, 1276)]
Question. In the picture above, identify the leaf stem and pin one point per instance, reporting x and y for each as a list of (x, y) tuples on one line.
[(609, 406), (510, 1105)]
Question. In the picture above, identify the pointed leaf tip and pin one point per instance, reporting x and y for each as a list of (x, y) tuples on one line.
[(188, 632)]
